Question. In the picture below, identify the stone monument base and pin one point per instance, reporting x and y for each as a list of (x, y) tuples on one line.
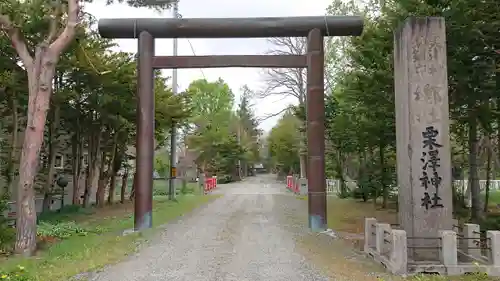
[(460, 252)]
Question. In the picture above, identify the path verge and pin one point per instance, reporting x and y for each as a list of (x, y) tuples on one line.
[(98, 243), (342, 258)]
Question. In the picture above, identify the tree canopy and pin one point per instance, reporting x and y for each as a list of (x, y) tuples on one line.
[(68, 108), (360, 119)]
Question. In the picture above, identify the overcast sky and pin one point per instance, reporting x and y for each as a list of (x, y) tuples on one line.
[(235, 77)]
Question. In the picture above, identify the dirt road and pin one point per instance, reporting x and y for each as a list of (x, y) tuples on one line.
[(240, 236)]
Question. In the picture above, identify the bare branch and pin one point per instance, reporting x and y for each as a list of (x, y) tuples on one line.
[(69, 30), (286, 82), (289, 46), (17, 40), (260, 120)]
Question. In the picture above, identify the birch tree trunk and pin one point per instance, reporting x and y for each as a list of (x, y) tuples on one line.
[(40, 68)]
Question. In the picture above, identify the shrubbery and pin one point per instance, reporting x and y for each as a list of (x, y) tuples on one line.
[(7, 233), (224, 178), (51, 227), (61, 230)]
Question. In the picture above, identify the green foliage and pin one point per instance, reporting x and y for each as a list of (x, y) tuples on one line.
[(93, 96), (7, 233), (162, 164), (224, 178), (215, 128), (155, 4), (284, 144), (95, 250), (187, 188), (64, 214), (7, 239), (360, 108), (247, 130), (61, 230)]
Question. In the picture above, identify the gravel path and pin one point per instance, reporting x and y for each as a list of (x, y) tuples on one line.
[(240, 236)]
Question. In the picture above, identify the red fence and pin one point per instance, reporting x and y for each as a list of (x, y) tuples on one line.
[(291, 185), (210, 184)]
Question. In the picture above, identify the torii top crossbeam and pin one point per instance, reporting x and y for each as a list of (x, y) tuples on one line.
[(230, 27)]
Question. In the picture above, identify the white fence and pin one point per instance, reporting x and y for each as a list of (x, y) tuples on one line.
[(494, 184), (333, 185)]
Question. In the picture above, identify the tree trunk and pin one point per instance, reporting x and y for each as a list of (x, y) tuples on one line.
[(340, 174), (102, 182), (77, 148), (89, 174), (93, 154), (385, 193), (53, 150), (361, 174), (134, 184), (488, 178), (112, 188), (370, 159), (124, 186), (473, 176), (40, 87), (497, 88), (113, 169), (303, 148), (40, 70), (88, 184), (465, 188), (303, 164)]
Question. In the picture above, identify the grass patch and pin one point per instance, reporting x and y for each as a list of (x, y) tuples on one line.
[(160, 187), (79, 254), (346, 216), (494, 198)]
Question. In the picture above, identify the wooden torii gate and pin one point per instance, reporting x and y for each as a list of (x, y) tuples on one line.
[(314, 28)]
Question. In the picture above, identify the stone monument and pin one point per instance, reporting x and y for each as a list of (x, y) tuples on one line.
[(422, 132)]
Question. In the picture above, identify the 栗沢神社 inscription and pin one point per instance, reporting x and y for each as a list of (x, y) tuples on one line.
[(422, 130), (430, 164)]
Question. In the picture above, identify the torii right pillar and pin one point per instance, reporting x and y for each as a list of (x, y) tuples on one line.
[(422, 133)]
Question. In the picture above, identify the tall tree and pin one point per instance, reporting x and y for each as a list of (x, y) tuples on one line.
[(210, 136), (57, 24), (247, 130), (289, 83), (362, 92), (284, 143)]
